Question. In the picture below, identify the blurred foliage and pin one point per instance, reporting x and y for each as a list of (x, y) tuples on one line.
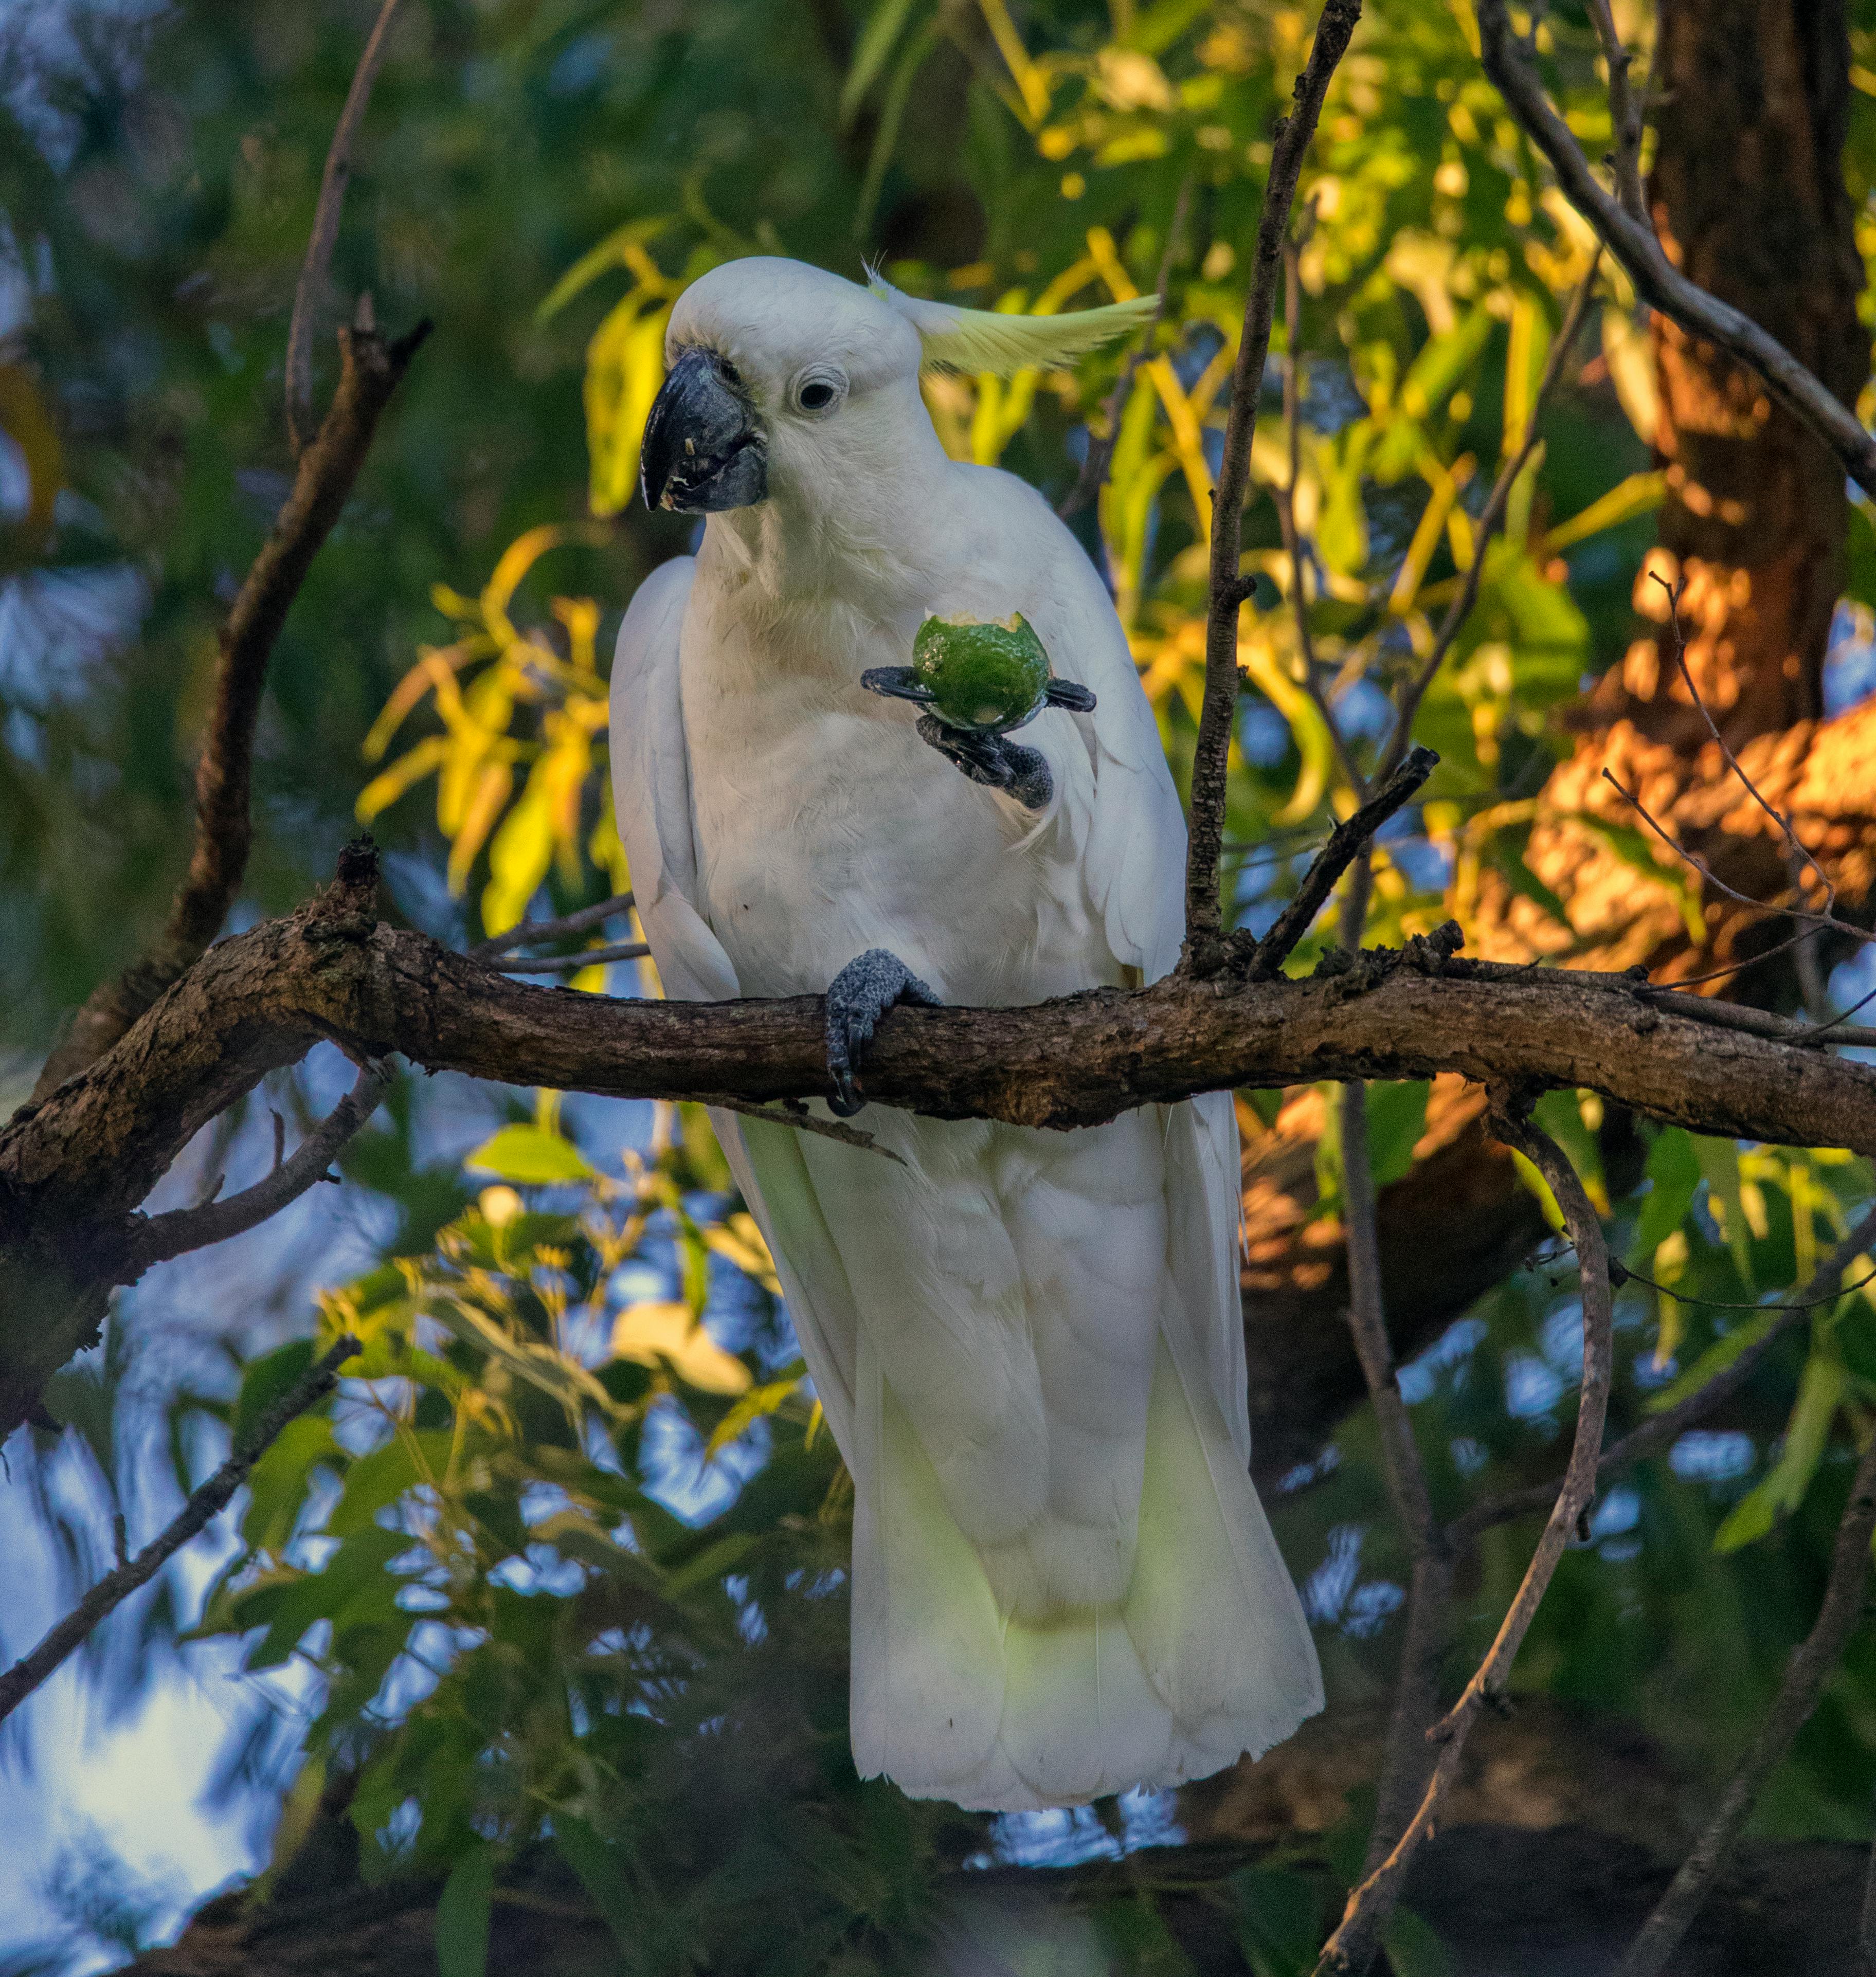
[(563, 1568)]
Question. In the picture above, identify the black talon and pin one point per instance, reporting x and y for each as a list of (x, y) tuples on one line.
[(858, 997), (993, 760), (897, 683), (1071, 694)]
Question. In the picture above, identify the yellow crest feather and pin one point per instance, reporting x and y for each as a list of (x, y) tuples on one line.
[(979, 340)]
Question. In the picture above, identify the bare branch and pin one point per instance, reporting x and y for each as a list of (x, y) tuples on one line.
[(311, 288), (1460, 608), (164, 1237), (224, 830), (1352, 1948), (1203, 916), (1407, 1758), (571, 964), (1657, 279), (75, 1167), (1626, 113), (1100, 455), (1660, 1432), (531, 933), (1811, 1661), (791, 1112), (1286, 511), (115, 1587), (1349, 837)]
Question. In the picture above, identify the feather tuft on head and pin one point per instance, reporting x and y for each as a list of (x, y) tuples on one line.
[(978, 340)]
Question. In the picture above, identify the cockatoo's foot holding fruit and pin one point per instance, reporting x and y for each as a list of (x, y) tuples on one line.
[(858, 997), (994, 760)]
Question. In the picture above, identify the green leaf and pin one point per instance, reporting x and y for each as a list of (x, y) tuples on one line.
[(609, 253), (379, 1479), (1396, 1120), (1719, 1163), (1413, 1948), (1279, 1911), (607, 1880), (531, 1155), (263, 1381), (871, 50), (1715, 1360), (463, 1916), (1674, 1168), (753, 1405), (1560, 1115), (1820, 1392), (277, 1483), (710, 1564)]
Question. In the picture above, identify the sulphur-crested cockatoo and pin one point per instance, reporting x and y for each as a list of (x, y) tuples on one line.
[(1028, 1343)]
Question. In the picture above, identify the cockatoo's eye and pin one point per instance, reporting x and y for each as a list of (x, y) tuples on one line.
[(818, 391)]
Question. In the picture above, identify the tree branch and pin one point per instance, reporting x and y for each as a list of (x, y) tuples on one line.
[(72, 1168), (325, 235), (1349, 837), (1811, 1661), (372, 370), (164, 1237), (1657, 279), (1352, 1948), (115, 1587), (1204, 917)]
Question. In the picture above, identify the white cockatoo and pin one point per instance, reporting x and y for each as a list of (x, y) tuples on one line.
[(1028, 1343)]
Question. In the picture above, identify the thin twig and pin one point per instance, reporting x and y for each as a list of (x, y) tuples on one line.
[(1811, 1663), (531, 933), (1828, 922), (1794, 847), (1100, 455), (371, 369), (1267, 956), (1352, 1948), (115, 1587), (1407, 1757), (310, 288), (1204, 909), (1657, 281), (1460, 608), (1625, 113), (1661, 1431), (571, 964), (163, 1236), (1286, 507), (795, 1114)]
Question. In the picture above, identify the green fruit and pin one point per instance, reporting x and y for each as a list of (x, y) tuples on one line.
[(986, 679)]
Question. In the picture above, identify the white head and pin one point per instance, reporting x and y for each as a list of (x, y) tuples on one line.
[(790, 386)]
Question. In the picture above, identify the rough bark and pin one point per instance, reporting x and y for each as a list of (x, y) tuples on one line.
[(1747, 194), (73, 1168)]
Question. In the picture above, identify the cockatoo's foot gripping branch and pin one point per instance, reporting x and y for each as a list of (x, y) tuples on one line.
[(858, 998)]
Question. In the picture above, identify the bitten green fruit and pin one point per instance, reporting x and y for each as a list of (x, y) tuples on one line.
[(984, 677)]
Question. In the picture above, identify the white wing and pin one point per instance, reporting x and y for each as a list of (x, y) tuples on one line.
[(1134, 868), (652, 800)]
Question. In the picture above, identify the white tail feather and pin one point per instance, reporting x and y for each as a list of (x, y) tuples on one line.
[(1208, 1656)]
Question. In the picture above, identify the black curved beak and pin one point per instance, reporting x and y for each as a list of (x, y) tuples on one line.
[(703, 449)]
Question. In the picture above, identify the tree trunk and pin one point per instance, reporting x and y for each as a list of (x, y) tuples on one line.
[(1748, 196)]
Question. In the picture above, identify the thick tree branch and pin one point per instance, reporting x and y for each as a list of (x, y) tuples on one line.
[(370, 372), (1657, 279), (73, 1168), (114, 1588), (1352, 1948), (1811, 1661), (1204, 917)]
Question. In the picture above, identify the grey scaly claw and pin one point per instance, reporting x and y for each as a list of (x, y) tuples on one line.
[(858, 997), (993, 760)]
